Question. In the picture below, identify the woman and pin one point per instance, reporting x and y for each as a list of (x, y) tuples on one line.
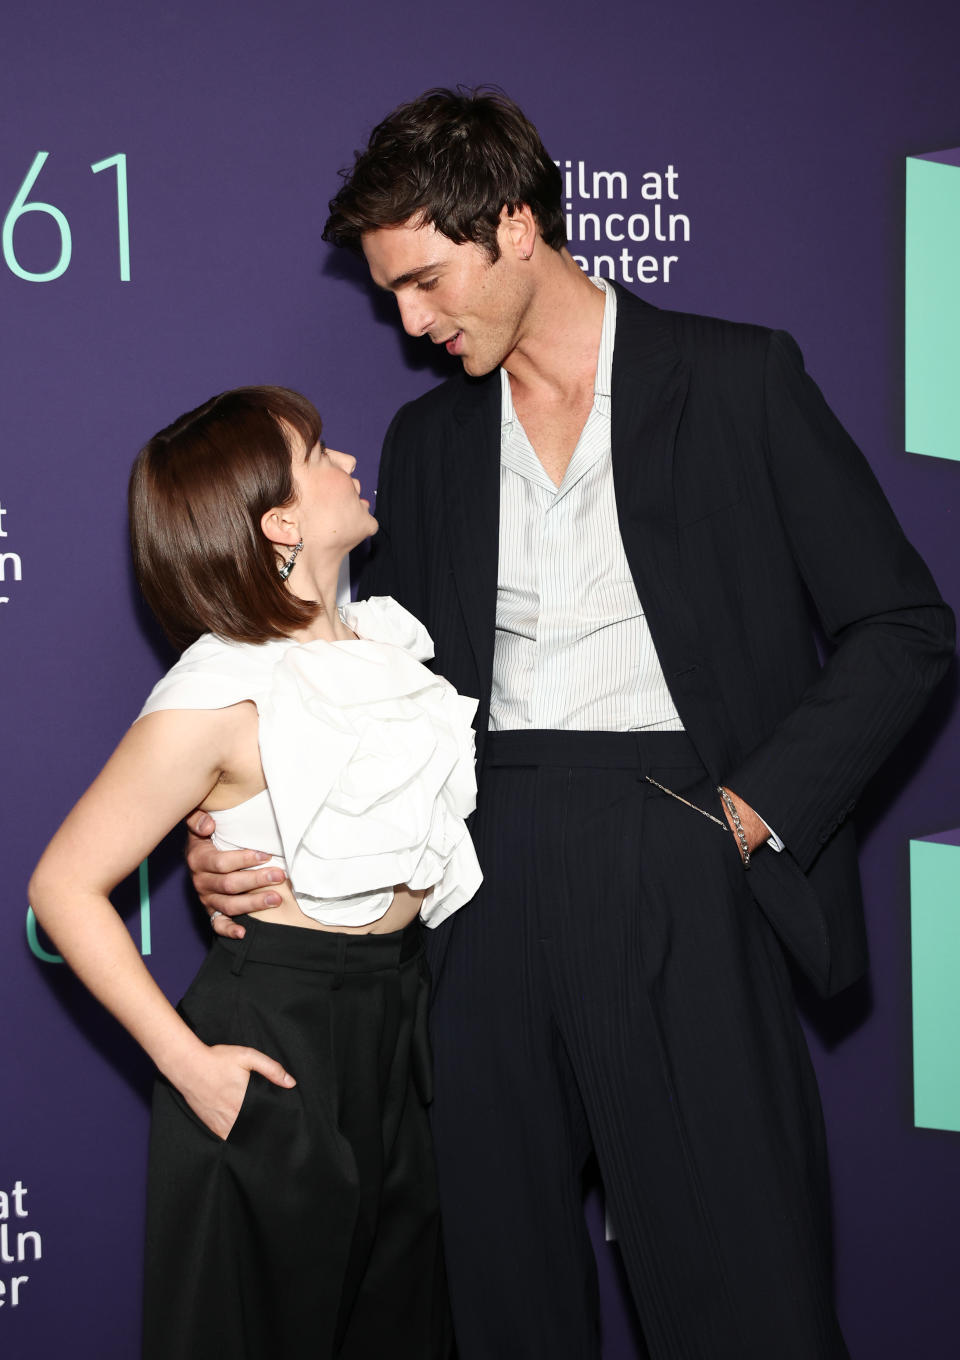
[(292, 1206)]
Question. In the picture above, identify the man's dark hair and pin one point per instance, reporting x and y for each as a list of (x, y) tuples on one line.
[(455, 159), (198, 491)]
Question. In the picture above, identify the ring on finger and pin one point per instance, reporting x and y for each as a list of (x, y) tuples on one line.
[(214, 915)]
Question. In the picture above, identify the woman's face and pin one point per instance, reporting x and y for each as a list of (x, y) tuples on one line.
[(330, 510)]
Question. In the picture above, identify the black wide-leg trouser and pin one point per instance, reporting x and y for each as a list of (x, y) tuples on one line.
[(614, 988), (312, 1230)]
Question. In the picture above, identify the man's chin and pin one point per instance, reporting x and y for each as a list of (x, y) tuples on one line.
[(477, 367)]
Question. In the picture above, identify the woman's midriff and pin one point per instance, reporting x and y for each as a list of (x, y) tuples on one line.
[(401, 911)]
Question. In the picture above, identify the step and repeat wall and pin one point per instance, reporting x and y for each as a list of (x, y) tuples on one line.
[(164, 175)]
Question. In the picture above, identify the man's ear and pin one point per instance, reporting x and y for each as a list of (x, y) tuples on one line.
[(518, 231), (279, 525)]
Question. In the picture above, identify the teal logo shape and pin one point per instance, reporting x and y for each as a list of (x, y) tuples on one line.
[(932, 312), (935, 939)]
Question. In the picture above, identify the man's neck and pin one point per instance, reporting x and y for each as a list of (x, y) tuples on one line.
[(556, 353)]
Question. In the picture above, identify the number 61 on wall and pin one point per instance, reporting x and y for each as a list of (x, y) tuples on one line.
[(21, 205)]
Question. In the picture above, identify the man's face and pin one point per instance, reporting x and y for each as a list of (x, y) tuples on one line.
[(450, 292)]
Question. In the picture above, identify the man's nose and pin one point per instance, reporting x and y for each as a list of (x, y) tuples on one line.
[(415, 316)]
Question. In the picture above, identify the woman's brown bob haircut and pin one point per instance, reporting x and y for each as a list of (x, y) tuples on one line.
[(198, 491), (454, 158)]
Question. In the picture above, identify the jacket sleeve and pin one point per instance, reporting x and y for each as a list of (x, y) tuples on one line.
[(890, 632)]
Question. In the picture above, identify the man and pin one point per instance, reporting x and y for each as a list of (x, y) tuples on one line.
[(611, 523)]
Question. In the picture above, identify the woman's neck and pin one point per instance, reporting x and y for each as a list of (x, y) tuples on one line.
[(320, 585)]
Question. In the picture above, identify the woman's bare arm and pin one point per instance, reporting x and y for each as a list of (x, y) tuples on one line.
[(165, 766)]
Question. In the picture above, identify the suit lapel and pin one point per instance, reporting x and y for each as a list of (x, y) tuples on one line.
[(471, 478), (650, 382)]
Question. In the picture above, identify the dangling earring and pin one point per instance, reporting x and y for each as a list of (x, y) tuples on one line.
[(287, 567)]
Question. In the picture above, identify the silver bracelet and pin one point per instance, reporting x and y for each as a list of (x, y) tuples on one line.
[(741, 835)]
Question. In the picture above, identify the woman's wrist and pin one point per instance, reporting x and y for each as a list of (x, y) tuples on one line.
[(181, 1058)]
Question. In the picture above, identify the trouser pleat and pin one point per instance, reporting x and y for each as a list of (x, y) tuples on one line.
[(615, 988)]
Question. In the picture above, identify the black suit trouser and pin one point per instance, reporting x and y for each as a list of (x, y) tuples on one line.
[(613, 988), (312, 1231)]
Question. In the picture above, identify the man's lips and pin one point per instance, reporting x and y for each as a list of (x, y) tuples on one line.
[(452, 345)]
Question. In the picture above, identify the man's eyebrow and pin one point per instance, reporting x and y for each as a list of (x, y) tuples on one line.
[(413, 274)]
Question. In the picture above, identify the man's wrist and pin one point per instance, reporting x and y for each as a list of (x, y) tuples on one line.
[(753, 830), (735, 824)]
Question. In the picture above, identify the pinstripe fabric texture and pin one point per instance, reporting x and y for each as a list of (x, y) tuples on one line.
[(573, 649), (613, 988)]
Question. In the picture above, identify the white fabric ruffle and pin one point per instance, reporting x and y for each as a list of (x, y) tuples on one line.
[(368, 759)]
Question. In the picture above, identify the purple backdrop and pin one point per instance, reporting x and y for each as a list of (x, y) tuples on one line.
[(786, 135)]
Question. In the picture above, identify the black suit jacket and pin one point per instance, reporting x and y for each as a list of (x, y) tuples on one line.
[(741, 500)]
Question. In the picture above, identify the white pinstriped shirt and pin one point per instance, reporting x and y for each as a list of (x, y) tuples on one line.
[(573, 649)]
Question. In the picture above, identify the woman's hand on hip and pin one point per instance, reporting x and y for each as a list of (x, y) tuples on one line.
[(216, 1086)]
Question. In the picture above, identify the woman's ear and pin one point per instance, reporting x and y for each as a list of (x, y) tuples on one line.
[(279, 525)]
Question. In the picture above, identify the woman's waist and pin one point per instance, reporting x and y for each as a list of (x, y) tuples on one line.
[(275, 943), (345, 915)]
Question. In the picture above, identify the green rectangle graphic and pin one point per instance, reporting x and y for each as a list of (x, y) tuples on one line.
[(932, 318), (935, 930)]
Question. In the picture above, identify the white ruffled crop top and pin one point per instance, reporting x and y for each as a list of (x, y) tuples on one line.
[(368, 758)]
